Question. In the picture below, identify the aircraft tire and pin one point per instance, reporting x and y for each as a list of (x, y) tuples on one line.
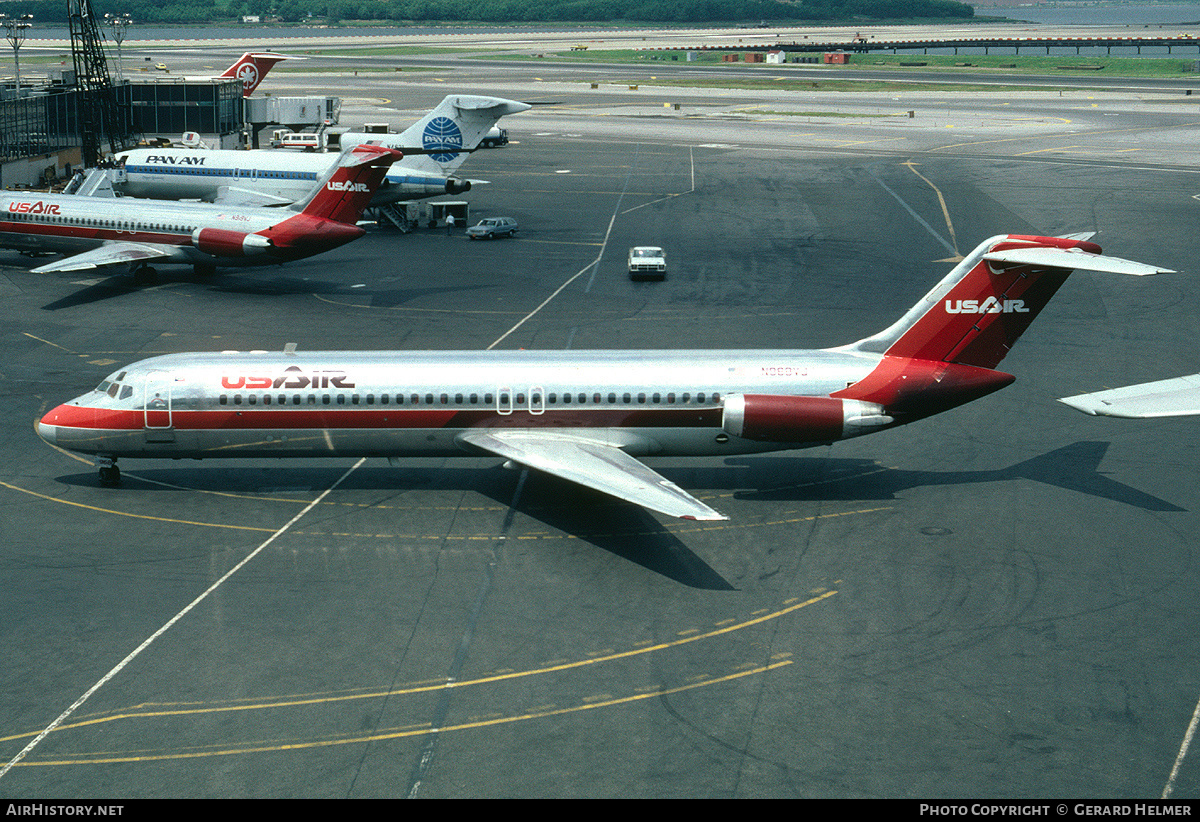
[(110, 476)]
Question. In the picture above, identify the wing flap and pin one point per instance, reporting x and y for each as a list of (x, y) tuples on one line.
[(111, 254), (1176, 397), (593, 464)]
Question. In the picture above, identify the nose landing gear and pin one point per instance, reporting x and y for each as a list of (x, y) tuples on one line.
[(110, 474)]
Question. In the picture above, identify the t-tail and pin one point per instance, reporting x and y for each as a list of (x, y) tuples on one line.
[(943, 351), (327, 219), (448, 133), (251, 68)]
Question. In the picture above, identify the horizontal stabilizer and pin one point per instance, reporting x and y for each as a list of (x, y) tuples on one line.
[(593, 464), (1073, 259), (111, 254), (1176, 397)]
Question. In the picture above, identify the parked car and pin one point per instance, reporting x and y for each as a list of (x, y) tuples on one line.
[(647, 261), (491, 227)]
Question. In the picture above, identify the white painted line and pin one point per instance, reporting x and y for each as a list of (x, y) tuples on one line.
[(1183, 749), (120, 665)]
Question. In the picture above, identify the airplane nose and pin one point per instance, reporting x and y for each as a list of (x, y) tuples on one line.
[(46, 428)]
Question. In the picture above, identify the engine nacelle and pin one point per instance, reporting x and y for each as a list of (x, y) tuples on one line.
[(457, 186), (221, 242), (783, 418)]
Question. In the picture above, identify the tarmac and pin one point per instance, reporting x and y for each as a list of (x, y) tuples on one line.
[(995, 602)]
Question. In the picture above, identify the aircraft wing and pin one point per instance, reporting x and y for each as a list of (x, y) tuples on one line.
[(592, 464), (1176, 397), (111, 254), (233, 196)]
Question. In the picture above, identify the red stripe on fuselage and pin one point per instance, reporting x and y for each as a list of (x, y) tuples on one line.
[(335, 418)]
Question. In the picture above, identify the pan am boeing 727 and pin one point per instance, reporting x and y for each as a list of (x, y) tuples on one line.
[(585, 416), (269, 177)]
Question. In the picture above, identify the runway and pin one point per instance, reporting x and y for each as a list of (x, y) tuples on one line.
[(995, 602)]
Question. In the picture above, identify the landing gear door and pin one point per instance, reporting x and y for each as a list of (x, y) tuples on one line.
[(157, 407)]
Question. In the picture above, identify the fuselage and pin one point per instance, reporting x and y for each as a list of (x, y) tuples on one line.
[(401, 403), (286, 176)]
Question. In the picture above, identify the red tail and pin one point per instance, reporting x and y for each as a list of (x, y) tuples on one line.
[(344, 194), (975, 315), (251, 68), (327, 219), (941, 352)]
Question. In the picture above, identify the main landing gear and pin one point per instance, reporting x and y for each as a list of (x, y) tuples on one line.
[(110, 474), (145, 275)]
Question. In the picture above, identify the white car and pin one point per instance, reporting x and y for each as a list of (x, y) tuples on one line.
[(647, 261)]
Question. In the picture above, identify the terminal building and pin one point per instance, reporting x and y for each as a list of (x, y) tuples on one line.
[(40, 127)]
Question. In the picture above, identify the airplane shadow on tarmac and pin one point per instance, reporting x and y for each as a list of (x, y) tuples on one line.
[(627, 530), (120, 285), (1074, 467)]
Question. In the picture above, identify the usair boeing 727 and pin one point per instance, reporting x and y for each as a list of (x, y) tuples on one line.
[(585, 416), (97, 232)]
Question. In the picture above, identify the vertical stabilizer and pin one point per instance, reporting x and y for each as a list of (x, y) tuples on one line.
[(447, 134), (251, 68), (343, 193)]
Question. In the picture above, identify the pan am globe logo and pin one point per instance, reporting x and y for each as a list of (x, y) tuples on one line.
[(442, 139)]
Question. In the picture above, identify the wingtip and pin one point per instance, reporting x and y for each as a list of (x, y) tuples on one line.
[(1079, 405)]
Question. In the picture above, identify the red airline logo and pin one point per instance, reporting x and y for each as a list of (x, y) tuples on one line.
[(33, 208)]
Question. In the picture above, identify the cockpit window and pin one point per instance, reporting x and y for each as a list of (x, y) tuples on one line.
[(126, 392), (113, 389), (102, 387)]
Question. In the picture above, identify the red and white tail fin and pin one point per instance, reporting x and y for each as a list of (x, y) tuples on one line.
[(975, 315), (942, 352), (343, 193), (251, 68)]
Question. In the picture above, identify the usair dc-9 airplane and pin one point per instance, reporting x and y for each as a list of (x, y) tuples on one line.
[(585, 416), (103, 232), (279, 176)]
